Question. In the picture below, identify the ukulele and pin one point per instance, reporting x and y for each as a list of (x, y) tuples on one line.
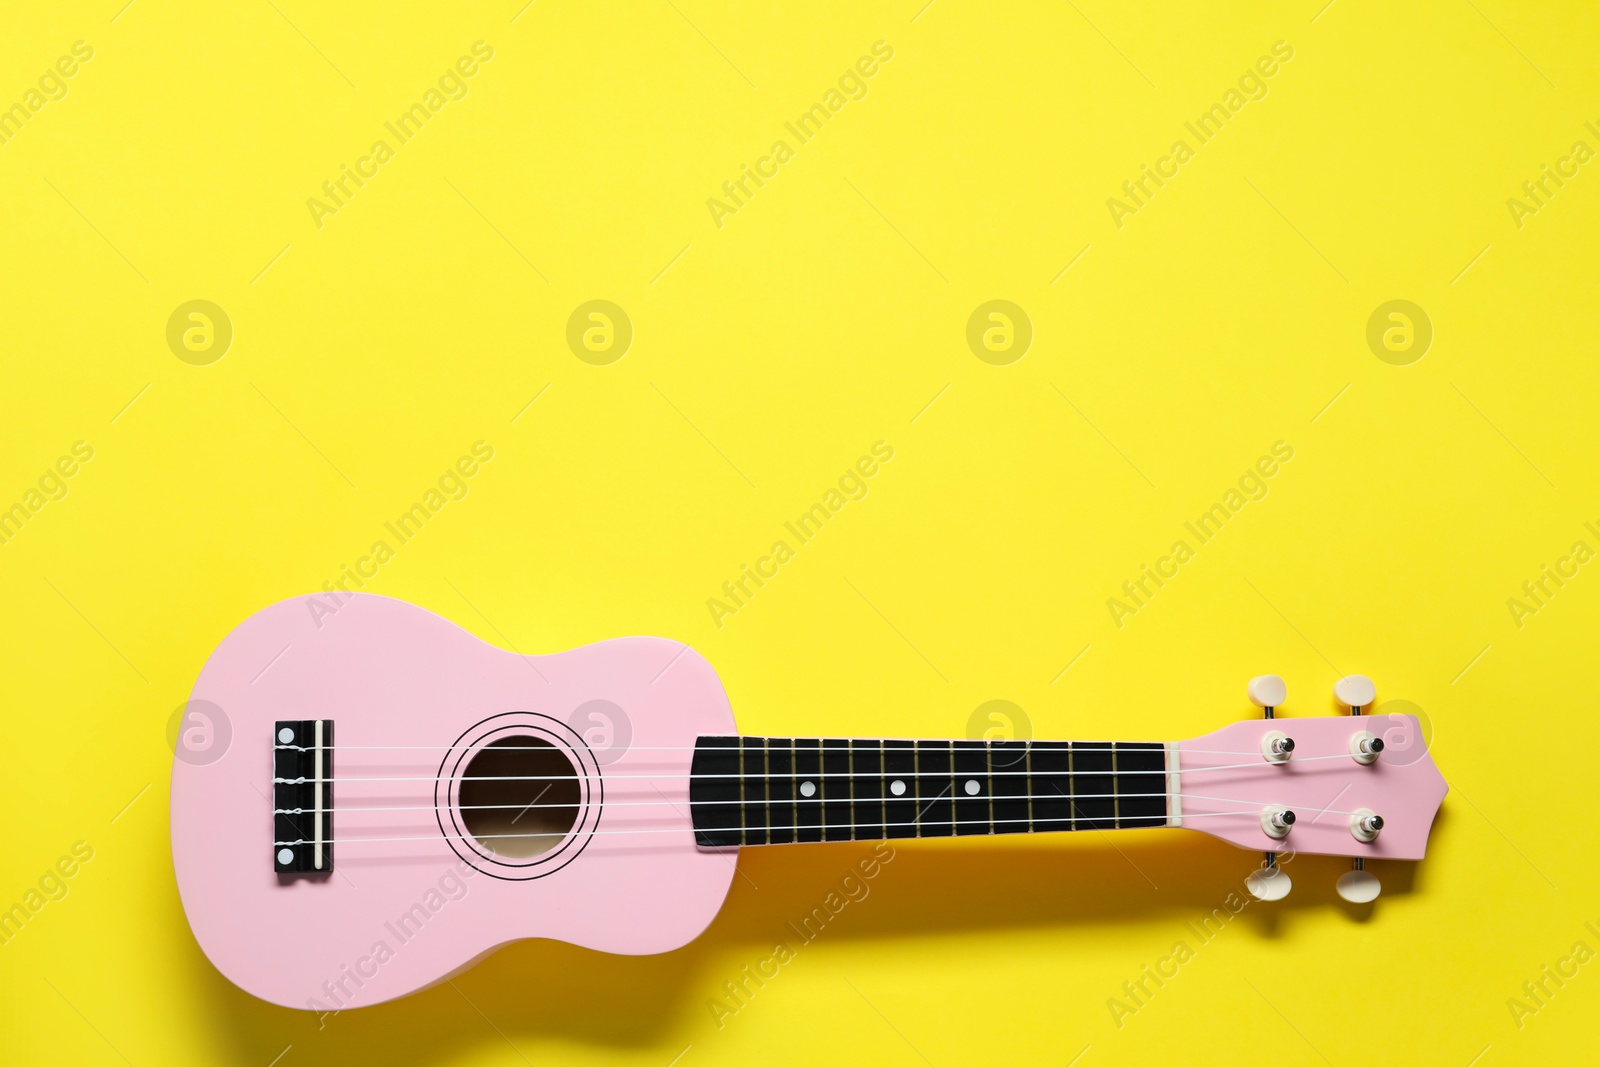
[(367, 799)]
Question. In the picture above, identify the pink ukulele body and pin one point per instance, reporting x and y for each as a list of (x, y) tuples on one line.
[(400, 893), (390, 674)]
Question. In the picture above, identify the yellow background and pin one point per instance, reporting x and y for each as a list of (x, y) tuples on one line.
[(767, 356)]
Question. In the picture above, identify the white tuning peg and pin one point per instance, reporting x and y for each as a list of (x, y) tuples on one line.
[(1359, 886), (1268, 883), (1355, 691), (1267, 691)]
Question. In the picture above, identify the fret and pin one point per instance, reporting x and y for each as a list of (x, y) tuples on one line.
[(833, 786), (935, 801), (1008, 763), (902, 812), (850, 770), (883, 782), (1028, 762), (744, 779), (1052, 786), (955, 822), (1142, 784), (1072, 790), (1116, 797), (1092, 786), (781, 786), (916, 783), (971, 779), (766, 784), (714, 782), (988, 763), (866, 778), (808, 772), (954, 826)]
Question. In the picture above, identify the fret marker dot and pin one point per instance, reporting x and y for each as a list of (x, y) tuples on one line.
[(808, 789), (972, 787), (897, 787), (285, 856), (285, 735)]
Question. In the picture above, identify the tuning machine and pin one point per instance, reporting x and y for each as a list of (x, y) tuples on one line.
[(1355, 691), (1268, 882), (1268, 692), (1359, 885)]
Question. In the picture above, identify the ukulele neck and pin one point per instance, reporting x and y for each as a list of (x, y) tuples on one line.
[(781, 790)]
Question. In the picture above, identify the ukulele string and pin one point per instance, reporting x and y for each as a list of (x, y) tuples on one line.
[(798, 800), (952, 823), (794, 774), (1075, 747)]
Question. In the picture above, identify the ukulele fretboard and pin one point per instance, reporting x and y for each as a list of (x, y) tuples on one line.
[(778, 790)]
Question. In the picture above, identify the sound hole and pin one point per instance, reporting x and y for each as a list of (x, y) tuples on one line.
[(519, 796)]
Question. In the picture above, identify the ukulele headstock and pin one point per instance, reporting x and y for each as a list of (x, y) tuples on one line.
[(1359, 786)]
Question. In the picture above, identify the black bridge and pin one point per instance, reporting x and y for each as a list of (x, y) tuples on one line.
[(302, 796)]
